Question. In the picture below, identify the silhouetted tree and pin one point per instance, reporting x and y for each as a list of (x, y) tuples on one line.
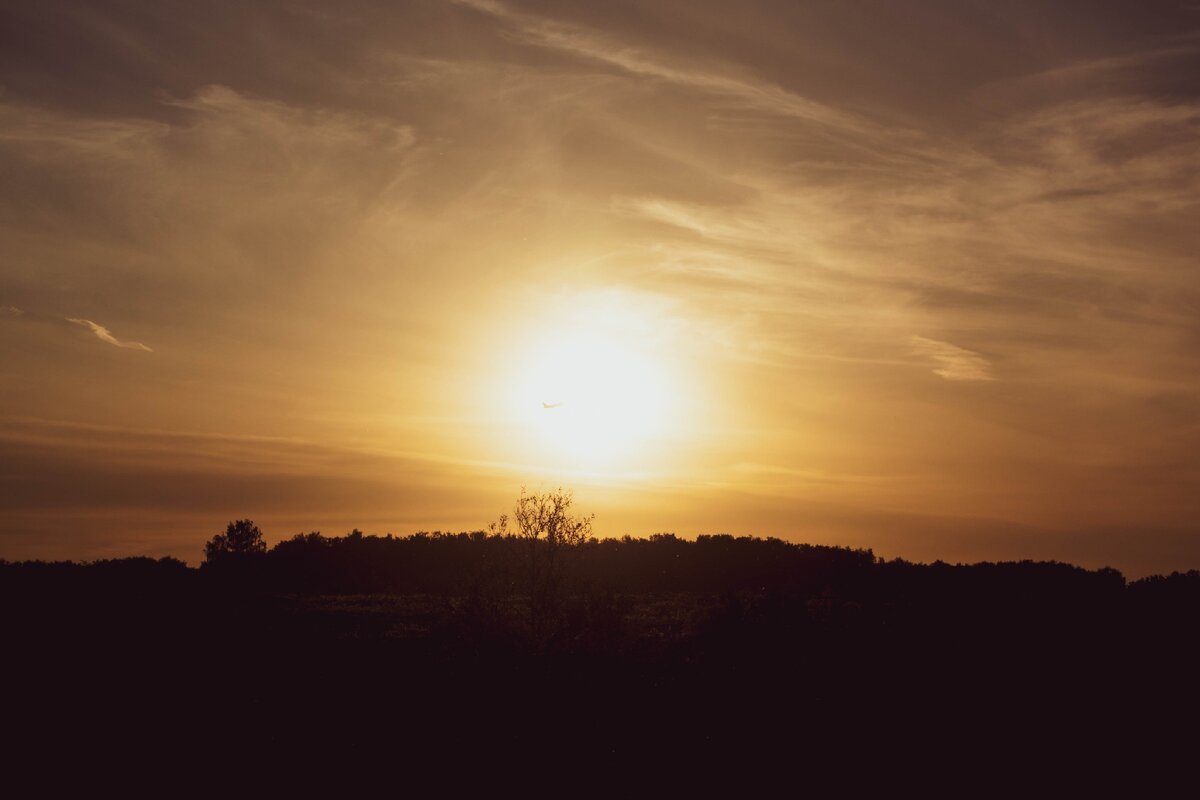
[(547, 526), (241, 538)]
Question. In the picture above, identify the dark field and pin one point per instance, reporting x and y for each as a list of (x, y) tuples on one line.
[(787, 650)]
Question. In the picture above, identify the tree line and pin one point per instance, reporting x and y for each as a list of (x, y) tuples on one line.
[(501, 561)]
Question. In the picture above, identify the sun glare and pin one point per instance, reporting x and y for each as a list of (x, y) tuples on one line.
[(594, 397)]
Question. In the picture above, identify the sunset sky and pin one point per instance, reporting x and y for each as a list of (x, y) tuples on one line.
[(915, 276)]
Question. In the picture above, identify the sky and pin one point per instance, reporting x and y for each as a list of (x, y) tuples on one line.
[(920, 277)]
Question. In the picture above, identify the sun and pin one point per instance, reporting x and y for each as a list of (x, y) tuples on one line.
[(594, 396)]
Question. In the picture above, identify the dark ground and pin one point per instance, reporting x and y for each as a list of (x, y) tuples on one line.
[(996, 666)]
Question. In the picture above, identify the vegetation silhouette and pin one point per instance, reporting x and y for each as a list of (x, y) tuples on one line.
[(535, 630), (549, 531)]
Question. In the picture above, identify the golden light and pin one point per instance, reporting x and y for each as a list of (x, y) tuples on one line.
[(596, 393)]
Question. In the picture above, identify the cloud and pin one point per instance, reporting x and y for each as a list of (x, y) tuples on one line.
[(590, 44), (10, 310), (105, 335), (805, 189), (954, 363), (77, 490)]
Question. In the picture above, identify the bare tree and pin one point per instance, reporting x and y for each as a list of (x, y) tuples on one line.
[(548, 526)]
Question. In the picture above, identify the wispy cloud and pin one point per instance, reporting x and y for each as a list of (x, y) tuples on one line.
[(105, 335), (789, 193), (954, 363), (590, 44)]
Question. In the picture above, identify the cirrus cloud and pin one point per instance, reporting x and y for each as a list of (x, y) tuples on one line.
[(105, 335), (953, 363)]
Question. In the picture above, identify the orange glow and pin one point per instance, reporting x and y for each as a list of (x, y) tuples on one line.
[(787, 270)]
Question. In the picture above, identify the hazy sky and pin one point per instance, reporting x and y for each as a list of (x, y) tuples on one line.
[(915, 276)]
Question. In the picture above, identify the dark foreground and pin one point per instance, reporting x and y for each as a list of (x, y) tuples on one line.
[(1008, 666)]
